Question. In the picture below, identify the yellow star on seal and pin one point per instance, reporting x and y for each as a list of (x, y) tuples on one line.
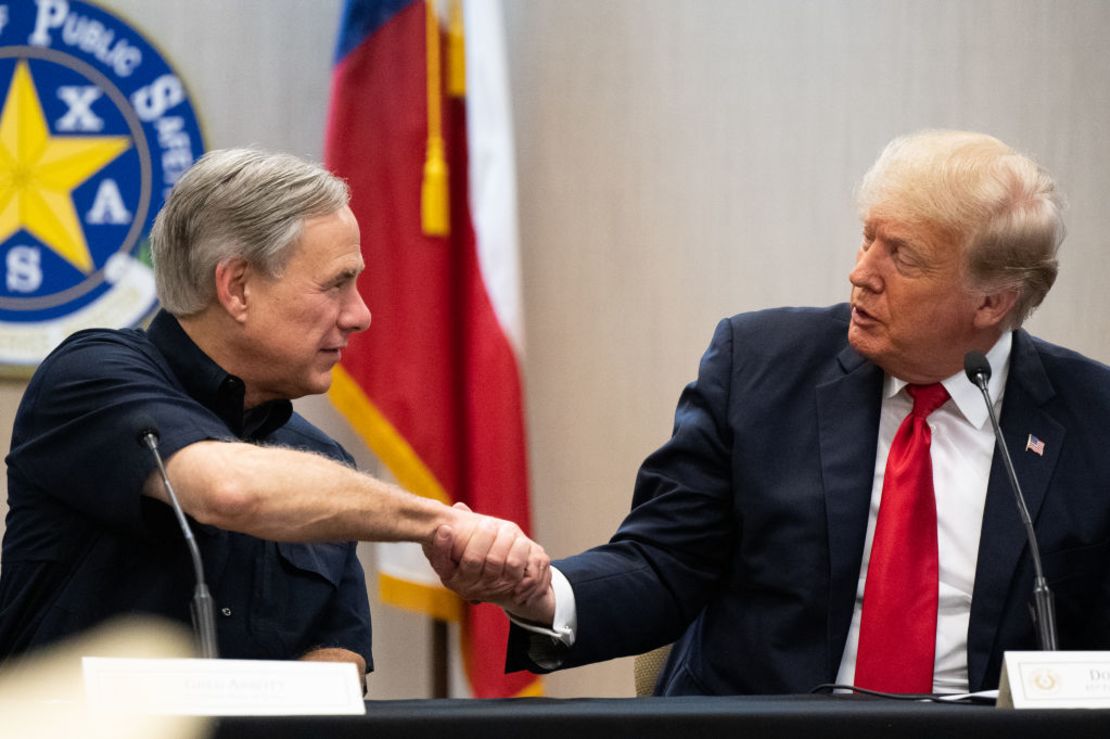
[(38, 172)]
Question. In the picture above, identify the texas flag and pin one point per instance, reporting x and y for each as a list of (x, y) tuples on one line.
[(434, 387)]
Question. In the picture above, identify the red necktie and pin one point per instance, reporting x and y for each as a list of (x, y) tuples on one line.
[(898, 627)]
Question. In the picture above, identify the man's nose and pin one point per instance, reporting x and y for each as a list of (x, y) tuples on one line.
[(866, 274), (355, 316)]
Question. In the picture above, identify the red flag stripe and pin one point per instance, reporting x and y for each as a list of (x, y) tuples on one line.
[(434, 387)]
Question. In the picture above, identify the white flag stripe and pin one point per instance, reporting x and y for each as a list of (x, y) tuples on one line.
[(405, 561), (492, 169)]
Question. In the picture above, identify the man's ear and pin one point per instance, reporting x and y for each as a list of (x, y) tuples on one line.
[(232, 287), (994, 308)]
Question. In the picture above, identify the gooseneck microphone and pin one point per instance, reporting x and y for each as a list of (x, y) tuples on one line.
[(978, 370), (204, 619)]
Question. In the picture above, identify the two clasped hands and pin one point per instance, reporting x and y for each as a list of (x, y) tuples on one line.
[(491, 560)]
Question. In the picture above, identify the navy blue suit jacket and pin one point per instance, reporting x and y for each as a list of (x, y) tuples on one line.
[(747, 528)]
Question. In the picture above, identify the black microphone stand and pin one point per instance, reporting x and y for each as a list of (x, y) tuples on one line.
[(978, 370), (201, 609)]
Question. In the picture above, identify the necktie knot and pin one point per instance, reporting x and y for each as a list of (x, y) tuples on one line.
[(927, 398)]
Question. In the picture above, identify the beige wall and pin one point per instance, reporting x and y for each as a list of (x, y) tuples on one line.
[(678, 162)]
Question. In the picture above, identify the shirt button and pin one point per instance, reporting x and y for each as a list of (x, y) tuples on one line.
[(225, 611)]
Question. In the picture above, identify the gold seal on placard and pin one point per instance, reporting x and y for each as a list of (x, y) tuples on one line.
[(1046, 680)]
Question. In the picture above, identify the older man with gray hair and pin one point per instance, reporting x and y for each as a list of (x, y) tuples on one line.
[(255, 256)]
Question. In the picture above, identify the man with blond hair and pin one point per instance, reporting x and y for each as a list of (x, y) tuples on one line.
[(830, 507)]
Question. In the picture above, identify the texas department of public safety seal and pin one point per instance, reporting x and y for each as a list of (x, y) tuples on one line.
[(94, 131)]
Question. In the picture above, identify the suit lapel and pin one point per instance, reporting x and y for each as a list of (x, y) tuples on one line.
[(848, 426), (1003, 538)]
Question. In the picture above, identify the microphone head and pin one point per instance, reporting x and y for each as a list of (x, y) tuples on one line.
[(144, 426), (976, 366)]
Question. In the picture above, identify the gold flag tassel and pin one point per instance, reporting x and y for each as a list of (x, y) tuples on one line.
[(456, 52), (434, 212)]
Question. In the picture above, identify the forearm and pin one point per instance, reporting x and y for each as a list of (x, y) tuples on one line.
[(287, 495)]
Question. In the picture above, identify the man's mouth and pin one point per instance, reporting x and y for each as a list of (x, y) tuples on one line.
[(861, 315)]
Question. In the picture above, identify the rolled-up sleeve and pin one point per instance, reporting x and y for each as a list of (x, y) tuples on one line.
[(76, 436)]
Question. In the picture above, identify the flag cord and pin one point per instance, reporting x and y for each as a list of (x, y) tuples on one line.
[(434, 211)]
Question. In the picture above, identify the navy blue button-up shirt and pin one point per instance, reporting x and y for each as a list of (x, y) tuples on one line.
[(83, 544)]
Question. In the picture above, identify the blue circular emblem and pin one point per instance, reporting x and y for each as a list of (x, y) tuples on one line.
[(95, 128)]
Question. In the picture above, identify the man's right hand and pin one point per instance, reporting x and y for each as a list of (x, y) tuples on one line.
[(490, 560)]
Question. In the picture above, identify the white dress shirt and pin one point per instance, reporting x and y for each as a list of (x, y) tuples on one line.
[(962, 450)]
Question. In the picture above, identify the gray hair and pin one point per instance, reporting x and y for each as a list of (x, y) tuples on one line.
[(243, 203), (975, 192)]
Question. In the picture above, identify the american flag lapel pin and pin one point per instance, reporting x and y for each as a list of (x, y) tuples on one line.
[(1035, 445)]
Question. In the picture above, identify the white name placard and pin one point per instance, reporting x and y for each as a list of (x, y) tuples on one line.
[(1055, 680), (222, 687)]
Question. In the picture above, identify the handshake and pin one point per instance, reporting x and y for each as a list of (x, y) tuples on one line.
[(485, 559)]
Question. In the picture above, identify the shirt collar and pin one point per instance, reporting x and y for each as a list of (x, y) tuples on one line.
[(965, 394), (213, 387)]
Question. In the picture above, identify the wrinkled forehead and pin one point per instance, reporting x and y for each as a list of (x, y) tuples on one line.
[(910, 222), (924, 236)]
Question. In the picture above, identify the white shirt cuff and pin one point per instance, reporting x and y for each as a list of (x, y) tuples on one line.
[(564, 625)]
